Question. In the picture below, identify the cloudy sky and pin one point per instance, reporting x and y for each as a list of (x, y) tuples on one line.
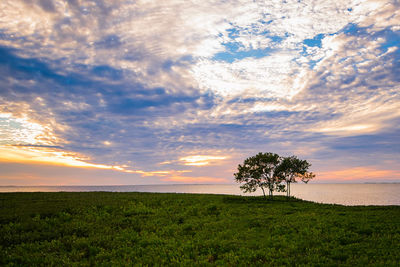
[(146, 92)]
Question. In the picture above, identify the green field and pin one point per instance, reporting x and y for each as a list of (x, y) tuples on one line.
[(104, 228)]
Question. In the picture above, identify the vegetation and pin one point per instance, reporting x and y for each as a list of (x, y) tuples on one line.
[(104, 228), (292, 168), (259, 171), (269, 170)]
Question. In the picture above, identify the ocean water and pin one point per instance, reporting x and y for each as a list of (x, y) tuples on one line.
[(344, 194)]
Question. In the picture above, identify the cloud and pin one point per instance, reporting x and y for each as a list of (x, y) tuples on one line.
[(141, 83), (22, 131), (190, 180), (200, 160), (47, 155)]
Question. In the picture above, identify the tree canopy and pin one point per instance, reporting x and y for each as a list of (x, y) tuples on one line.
[(292, 168), (269, 171), (260, 171)]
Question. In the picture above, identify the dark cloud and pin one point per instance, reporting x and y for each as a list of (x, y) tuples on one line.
[(47, 5), (107, 72), (109, 42)]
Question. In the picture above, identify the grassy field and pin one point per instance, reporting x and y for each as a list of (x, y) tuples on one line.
[(101, 228)]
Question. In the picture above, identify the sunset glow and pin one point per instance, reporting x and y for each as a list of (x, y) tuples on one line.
[(359, 173), (34, 155), (200, 160)]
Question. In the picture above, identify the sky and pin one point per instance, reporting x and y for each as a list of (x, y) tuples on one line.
[(154, 92)]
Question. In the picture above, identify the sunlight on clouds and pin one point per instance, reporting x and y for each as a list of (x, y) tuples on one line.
[(24, 141), (52, 156), (200, 179), (44, 155), (165, 162), (200, 160), (378, 14), (365, 117), (158, 173), (350, 129), (19, 130), (263, 107), (30, 18)]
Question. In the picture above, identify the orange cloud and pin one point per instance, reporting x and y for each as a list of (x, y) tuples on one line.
[(359, 173), (201, 179), (54, 156), (45, 155), (200, 160), (155, 173)]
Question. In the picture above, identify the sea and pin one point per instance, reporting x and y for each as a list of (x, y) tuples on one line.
[(342, 194)]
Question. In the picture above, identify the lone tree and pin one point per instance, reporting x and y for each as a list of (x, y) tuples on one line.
[(260, 171), (292, 168)]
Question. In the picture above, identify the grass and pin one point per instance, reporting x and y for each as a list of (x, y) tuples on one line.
[(104, 228)]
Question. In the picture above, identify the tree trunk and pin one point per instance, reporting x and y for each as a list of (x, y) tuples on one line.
[(287, 189), (263, 192)]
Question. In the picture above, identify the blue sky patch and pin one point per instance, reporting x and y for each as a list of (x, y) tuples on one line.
[(316, 41), (231, 56)]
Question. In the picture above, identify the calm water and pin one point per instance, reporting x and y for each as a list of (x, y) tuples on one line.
[(345, 194)]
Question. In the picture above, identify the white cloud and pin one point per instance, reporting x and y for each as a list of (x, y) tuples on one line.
[(149, 33), (266, 77)]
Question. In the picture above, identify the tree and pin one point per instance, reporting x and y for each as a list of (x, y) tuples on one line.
[(260, 171), (291, 168)]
